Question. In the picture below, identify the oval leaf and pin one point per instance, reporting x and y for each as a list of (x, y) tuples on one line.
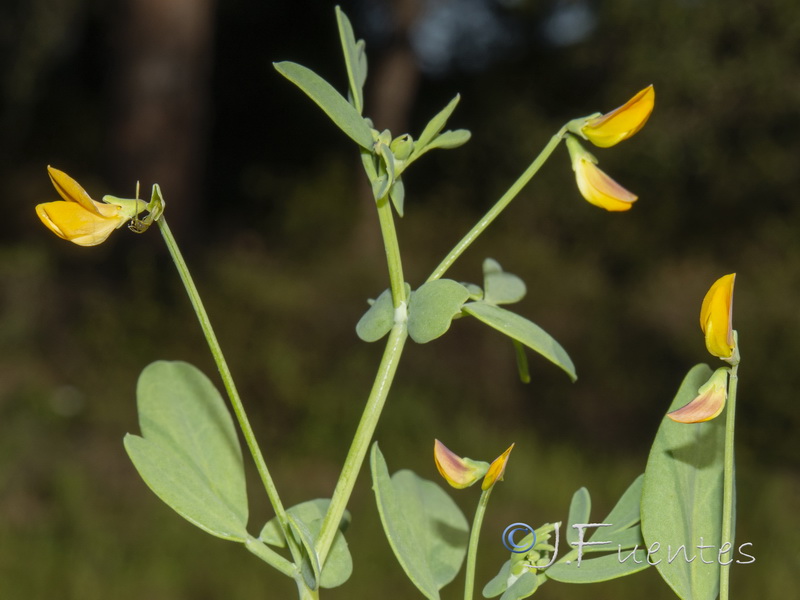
[(626, 512), (189, 453), (501, 287), (340, 111), (339, 564), (524, 331), (600, 569), (426, 529), (579, 510), (432, 308), (450, 139), (435, 125), (352, 59), (682, 498), (378, 320)]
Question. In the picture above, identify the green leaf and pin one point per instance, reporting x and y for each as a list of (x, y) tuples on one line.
[(523, 587), (189, 453), (426, 529), (524, 331), (580, 509), (309, 567), (340, 111), (603, 568), (387, 164), (626, 512), (498, 584), (432, 308), (615, 541), (378, 320), (450, 139), (354, 59), (682, 498), (501, 287), (398, 195), (435, 125), (339, 564)]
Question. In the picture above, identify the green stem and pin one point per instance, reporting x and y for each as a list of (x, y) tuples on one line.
[(383, 379), (227, 381), (729, 476), (362, 439), (472, 550), (389, 233), (396, 280), (499, 206)]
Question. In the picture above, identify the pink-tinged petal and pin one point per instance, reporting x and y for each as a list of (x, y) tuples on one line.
[(716, 316), (458, 472), (623, 122), (497, 469), (599, 189), (709, 402)]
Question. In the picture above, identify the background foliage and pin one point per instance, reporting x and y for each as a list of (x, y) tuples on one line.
[(269, 206)]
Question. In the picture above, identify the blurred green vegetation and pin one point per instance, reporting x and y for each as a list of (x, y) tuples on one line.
[(280, 254)]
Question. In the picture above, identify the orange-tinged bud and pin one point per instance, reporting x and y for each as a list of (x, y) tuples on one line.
[(458, 472), (621, 123), (716, 316), (496, 469), (709, 402)]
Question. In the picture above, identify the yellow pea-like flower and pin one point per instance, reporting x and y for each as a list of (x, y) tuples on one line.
[(716, 316), (621, 123), (594, 185), (79, 219)]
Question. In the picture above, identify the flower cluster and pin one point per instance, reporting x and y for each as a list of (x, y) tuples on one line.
[(461, 472), (716, 323), (604, 131)]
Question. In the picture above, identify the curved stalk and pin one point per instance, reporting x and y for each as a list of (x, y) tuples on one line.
[(230, 386), (472, 549), (499, 206)]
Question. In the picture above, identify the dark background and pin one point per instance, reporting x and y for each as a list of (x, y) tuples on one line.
[(269, 205)]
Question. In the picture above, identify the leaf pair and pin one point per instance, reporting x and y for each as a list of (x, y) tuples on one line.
[(523, 573), (384, 158), (434, 305), (189, 455)]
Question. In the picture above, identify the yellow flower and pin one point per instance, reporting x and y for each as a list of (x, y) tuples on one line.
[(79, 219), (716, 316), (594, 185), (709, 402), (496, 469), (621, 123), (458, 472)]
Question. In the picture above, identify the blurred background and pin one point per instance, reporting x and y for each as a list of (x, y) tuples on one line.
[(269, 205)]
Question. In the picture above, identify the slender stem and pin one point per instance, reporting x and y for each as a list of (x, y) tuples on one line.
[(227, 381), (729, 477), (501, 204), (383, 379), (396, 280), (472, 550), (389, 233), (363, 436)]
